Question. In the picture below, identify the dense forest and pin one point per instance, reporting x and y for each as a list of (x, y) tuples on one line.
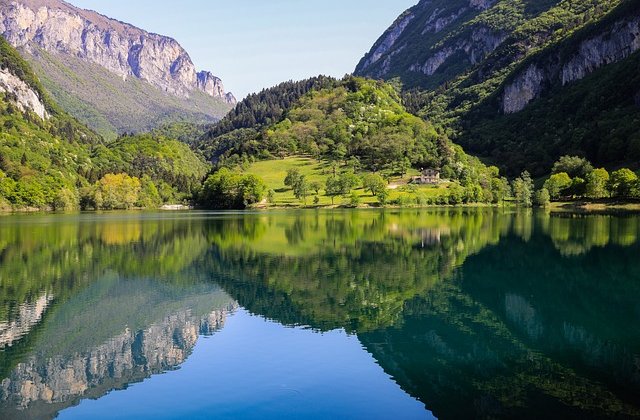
[(243, 123)]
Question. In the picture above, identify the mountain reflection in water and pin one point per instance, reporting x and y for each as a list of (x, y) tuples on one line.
[(474, 312)]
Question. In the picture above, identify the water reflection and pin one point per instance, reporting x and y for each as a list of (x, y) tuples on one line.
[(475, 312), (90, 306)]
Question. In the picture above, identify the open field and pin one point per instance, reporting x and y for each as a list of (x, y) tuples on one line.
[(273, 172)]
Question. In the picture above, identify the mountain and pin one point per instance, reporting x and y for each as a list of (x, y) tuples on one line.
[(111, 75), (48, 160), (521, 82)]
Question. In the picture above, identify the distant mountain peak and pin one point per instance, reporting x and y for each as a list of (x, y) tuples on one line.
[(123, 49)]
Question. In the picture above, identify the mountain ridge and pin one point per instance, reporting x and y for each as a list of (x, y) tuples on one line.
[(478, 72), (128, 53)]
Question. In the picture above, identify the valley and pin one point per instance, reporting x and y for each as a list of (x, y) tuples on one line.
[(447, 81), (447, 228)]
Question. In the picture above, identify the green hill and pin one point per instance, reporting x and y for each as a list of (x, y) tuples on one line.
[(353, 125), (353, 119)]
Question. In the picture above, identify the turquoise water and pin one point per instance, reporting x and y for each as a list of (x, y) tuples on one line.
[(466, 313)]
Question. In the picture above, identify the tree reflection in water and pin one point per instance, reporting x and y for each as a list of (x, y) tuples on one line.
[(476, 312)]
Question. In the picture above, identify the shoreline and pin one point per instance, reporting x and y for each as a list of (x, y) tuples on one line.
[(586, 207), (594, 206)]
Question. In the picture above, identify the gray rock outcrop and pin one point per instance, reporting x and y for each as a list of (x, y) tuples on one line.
[(388, 40), (525, 88), (56, 26), (25, 98), (612, 45), (481, 43)]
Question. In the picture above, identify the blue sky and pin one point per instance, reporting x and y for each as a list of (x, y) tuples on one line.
[(252, 44)]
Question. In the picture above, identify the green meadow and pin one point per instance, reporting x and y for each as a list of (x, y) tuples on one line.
[(273, 172)]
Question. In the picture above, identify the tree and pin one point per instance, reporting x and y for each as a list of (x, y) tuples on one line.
[(293, 176), (301, 189), (252, 189), (557, 183), (622, 183), (383, 196), (226, 190), (316, 187), (4, 163), (374, 183), (597, 182), (354, 163), (118, 191), (404, 164), (578, 187), (543, 198), (523, 189), (339, 152), (574, 166), (456, 193), (149, 196), (354, 200), (348, 181), (500, 188), (333, 187), (65, 200)]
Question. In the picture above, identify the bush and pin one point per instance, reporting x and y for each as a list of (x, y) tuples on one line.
[(226, 190), (354, 200)]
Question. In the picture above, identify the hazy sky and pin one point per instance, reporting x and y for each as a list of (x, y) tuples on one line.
[(252, 44)]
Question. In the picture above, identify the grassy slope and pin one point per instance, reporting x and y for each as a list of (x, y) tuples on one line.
[(111, 105), (273, 173)]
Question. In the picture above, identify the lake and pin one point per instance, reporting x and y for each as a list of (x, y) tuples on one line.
[(450, 313)]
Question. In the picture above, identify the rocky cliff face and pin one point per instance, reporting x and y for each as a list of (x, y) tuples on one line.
[(423, 38), (481, 43), (614, 44), (212, 86), (56, 26), (388, 40), (129, 357), (22, 94), (525, 88)]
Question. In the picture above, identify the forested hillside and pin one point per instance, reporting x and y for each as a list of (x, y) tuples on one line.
[(356, 121), (50, 161), (243, 123), (520, 82)]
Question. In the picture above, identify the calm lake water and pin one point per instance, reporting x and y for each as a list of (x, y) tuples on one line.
[(347, 314)]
